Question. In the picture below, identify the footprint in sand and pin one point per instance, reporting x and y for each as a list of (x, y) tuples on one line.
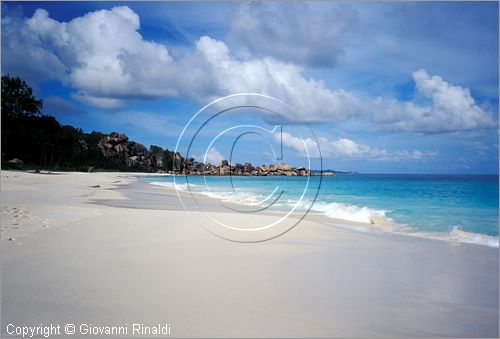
[(18, 215), (17, 212)]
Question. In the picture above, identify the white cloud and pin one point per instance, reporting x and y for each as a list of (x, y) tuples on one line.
[(340, 148), (452, 108), (26, 56), (303, 146), (348, 148), (103, 56), (345, 148), (296, 32), (213, 156), (311, 100), (109, 63)]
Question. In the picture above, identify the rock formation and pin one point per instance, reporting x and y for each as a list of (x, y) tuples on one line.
[(117, 148), (195, 168)]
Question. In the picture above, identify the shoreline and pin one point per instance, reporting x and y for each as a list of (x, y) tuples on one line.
[(386, 225), (105, 259), (132, 178)]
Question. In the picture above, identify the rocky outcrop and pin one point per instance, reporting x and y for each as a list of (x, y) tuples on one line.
[(248, 168), (195, 168), (178, 162), (117, 148), (225, 168), (114, 145), (122, 152)]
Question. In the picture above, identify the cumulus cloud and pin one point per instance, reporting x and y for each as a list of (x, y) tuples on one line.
[(213, 156), (345, 148), (101, 54), (108, 63), (295, 32), (311, 100), (341, 148), (26, 56), (451, 108)]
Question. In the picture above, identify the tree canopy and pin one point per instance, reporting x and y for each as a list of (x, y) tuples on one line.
[(40, 141), (18, 99)]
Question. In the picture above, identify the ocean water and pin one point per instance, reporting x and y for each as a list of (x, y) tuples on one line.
[(459, 208)]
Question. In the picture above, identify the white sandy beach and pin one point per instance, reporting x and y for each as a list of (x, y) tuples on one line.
[(127, 252)]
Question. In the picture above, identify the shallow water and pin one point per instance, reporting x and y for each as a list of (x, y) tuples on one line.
[(456, 207)]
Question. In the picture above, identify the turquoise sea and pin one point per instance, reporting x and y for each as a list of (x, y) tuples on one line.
[(460, 208)]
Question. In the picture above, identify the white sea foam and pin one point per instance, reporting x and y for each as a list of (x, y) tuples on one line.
[(237, 198), (458, 235), (376, 219), (243, 198), (350, 212), (180, 187), (372, 219)]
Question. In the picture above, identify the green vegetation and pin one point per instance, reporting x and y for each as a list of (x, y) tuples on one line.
[(41, 142)]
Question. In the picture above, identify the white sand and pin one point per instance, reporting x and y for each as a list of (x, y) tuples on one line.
[(72, 260)]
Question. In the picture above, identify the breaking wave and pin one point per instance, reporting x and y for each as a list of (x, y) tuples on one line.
[(362, 217), (458, 235), (347, 212)]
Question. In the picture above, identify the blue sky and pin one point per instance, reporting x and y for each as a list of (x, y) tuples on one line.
[(385, 87)]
